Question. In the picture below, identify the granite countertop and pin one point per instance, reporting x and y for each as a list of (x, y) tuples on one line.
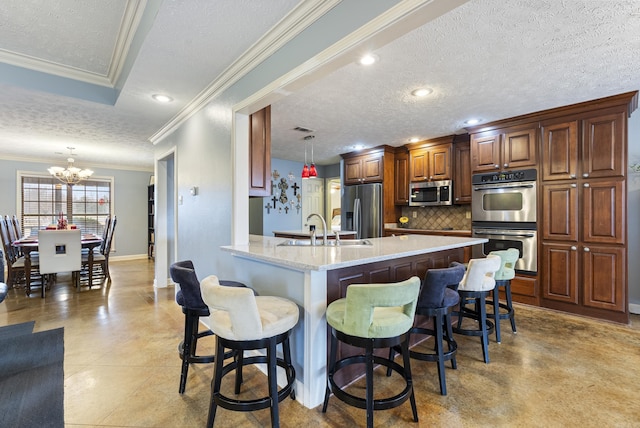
[(266, 249)]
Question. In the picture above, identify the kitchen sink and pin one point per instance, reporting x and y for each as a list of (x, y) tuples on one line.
[(330, 243)]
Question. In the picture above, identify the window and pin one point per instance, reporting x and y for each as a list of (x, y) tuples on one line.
[(86, 205)]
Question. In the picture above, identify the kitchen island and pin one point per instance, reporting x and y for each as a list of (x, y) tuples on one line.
[(313, 276)]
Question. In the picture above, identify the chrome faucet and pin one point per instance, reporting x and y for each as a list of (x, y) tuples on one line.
[(324, 229)]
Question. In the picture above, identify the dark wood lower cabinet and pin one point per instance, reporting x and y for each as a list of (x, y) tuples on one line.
[(395, 270), (585, 280)]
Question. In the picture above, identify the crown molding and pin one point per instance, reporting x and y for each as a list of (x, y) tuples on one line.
[(305, 14), (131, 18)]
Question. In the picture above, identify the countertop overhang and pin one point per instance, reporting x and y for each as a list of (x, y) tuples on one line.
[(322, 258)]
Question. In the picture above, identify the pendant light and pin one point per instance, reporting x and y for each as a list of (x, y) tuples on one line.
[(312, 168), (308, 171), (305, 168)]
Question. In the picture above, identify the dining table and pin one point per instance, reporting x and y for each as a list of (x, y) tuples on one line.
[(29, 244)]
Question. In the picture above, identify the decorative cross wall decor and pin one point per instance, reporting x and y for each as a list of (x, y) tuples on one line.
[(281, 201)]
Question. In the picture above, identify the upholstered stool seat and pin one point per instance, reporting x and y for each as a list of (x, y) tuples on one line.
[(373, 316), (438, 297), (503, 277), (475, 286), (242, 321), (193, 307)]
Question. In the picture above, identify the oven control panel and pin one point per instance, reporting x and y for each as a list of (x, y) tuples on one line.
[(506, 177)]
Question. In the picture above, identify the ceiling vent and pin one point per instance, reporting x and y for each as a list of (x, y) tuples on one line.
[(303, 129)]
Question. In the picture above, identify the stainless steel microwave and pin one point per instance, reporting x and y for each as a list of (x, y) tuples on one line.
[(430, 193)]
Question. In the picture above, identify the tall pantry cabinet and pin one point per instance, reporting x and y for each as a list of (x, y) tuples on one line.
[(583, 203)]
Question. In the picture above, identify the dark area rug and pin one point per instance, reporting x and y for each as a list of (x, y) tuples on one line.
[(31, 378), (13, 330)]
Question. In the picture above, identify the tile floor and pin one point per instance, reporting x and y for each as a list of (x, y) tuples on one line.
[(122, 368)]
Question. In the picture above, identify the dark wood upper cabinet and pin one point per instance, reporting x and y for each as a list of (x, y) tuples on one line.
[(401, 172), (604, 145), (559, 150), (430, 161), (260, 153), (462, 172), (504, 149)]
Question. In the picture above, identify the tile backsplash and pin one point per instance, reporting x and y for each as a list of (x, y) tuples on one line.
[(435, 218)]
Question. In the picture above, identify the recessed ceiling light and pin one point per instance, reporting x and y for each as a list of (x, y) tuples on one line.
[(421, 92), (471, 121), (368, 59), (162, 98), (414, 140), (358, 147)]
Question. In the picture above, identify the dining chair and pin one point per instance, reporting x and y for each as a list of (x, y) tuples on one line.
[(60, 251), (101, 258), (15, 263)]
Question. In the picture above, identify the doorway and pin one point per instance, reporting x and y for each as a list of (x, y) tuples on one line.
[(312, 202), (333, 202), (165, 220)]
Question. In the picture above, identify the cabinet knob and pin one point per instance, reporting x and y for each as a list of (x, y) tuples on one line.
[(574, 185), (572, 176), (457, 199), (586, 249), (431, 177), (573, 248), (585, 175), (586, 184), (506, 165), (497, 166)]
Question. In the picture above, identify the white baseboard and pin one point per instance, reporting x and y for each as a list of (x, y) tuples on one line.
[(129, 257), (634, 308)]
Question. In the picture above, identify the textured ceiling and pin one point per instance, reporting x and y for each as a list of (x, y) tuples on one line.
[(483, 59)]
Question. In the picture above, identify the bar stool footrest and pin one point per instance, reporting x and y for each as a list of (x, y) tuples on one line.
[(380, 403)]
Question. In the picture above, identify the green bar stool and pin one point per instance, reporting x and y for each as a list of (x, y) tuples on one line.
[(373, 316), (503, 278)]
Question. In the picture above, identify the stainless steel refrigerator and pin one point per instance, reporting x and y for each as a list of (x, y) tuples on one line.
[(361, 210)]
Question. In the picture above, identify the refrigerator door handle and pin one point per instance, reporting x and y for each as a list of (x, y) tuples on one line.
[(356, 217)]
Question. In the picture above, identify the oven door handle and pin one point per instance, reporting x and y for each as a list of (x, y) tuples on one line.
[(492, 233), (502, 186)]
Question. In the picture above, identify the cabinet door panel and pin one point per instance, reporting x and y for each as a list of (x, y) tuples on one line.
[(352, 170), (560, 212), (462, 171), (401, 182), (604, 278), (560, 151), (560, 273), (485, 151), (603, 144), (260, 153), (418, 165), (372, 168), (440, 163), (519, 149), (604, 216)]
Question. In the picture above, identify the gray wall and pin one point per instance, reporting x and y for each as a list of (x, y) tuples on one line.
[(130, 203)]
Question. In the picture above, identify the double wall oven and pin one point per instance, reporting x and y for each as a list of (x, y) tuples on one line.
[(503, 210)]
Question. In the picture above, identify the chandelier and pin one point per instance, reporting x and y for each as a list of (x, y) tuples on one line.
[(70, 175)]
